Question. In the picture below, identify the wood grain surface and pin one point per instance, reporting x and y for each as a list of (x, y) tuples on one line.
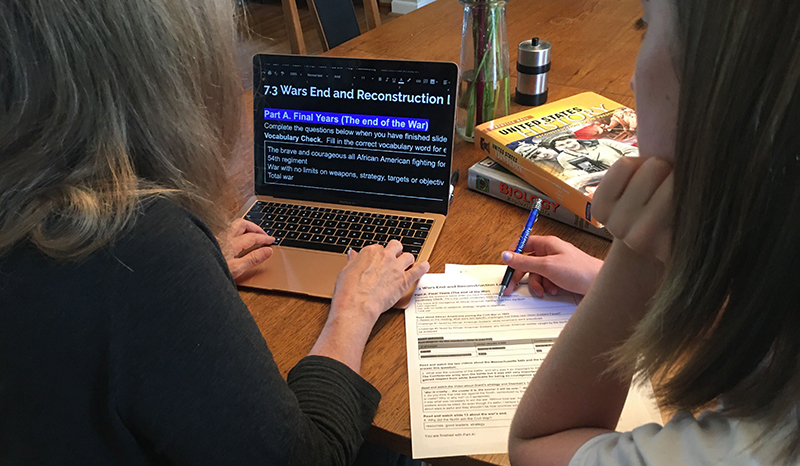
[(594, 49)]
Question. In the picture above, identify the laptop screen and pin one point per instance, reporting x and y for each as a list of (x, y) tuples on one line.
[(374, 133)]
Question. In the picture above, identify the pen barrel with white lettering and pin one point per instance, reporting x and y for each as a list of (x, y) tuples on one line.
[(528, 226), (523, 239)]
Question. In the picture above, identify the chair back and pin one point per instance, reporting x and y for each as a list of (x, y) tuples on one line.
[(336, 20)]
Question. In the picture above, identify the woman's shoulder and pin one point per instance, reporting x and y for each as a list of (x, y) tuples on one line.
[(165, 242), (161, 218), (710, 438), (160, 236), (165, 228)]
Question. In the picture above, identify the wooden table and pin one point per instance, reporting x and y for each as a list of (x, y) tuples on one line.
[(594, 49)]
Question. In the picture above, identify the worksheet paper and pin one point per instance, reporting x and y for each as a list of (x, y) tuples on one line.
[(471, 357)]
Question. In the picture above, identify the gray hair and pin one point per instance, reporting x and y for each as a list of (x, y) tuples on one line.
[(105, 102)]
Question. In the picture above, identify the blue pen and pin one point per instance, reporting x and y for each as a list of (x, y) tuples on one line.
[(522, 240)]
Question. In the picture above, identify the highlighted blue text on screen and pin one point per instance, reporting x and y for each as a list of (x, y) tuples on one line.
[(346, 119)]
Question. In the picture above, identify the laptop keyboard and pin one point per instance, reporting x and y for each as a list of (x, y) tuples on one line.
[(336, 230)]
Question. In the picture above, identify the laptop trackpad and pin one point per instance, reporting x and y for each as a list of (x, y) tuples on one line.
[(288, 270)]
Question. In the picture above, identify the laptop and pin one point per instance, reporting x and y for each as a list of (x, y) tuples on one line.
[(348, 152)]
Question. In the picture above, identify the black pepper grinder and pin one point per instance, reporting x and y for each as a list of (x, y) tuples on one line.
[(533, 63)]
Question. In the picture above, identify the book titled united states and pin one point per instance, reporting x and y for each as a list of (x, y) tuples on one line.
[(563, 148)]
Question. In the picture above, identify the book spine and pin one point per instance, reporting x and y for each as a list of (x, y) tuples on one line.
[(523, 168), (512, 189)]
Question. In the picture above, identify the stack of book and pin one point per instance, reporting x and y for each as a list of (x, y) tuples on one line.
[(557, 152)]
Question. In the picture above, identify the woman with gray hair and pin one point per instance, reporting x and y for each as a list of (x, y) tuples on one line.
[(123, 339)]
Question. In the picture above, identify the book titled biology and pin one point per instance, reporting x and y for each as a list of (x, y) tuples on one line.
[(563, 148), (490, 178)]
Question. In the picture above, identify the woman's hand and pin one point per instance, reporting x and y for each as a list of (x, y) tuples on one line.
[(242, 247), (375, 279), (372, 281), (634, 203), (553, 264)]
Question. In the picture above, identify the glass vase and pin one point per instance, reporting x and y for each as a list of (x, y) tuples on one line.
[(483, 92)]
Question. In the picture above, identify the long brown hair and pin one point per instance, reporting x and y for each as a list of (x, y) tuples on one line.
[(725, 325), (103, 102)]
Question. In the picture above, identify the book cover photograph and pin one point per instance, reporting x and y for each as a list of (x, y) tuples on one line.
[(563, 148)]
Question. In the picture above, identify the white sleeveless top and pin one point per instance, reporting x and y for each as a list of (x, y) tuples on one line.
[(710, 439)]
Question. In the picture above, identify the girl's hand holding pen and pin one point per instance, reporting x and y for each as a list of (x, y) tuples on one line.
[(553, 265), (634, 203)]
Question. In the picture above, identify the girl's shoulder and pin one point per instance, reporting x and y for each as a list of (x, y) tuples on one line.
[(710, 438)]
